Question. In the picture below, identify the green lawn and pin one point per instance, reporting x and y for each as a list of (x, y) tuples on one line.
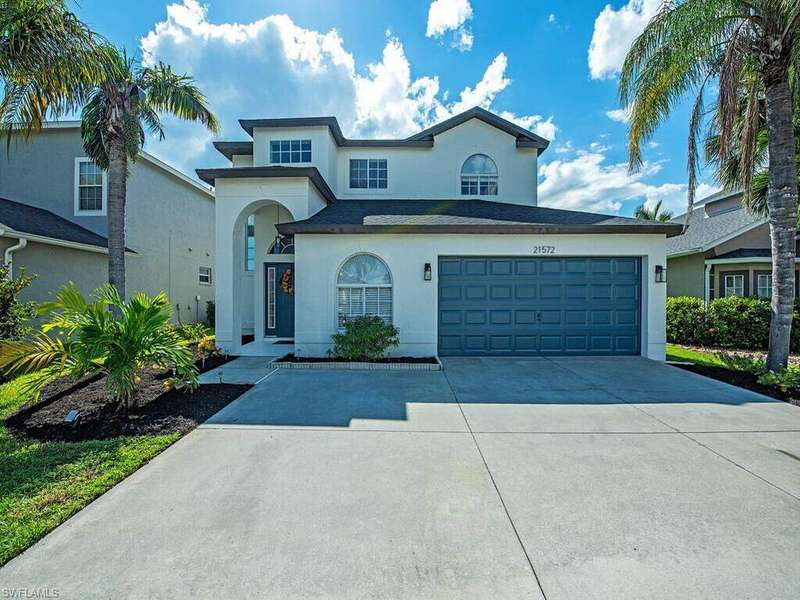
[(43, 483), (680, 354)]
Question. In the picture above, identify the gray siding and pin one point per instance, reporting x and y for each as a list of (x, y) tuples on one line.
[(685, 276), (169, 223)]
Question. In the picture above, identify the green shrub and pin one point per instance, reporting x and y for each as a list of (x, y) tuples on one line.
[(364, 338), (686, 321), (14, 314), (106, 336), (787, 380), (739, 322), (193, 332)]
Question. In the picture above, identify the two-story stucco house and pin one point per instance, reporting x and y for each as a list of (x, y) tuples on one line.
[(438, 233), (53, 222)]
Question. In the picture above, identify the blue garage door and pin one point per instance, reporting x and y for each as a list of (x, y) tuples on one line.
[(539, 306)]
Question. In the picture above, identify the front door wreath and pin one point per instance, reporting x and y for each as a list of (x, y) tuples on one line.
[(287, 282)]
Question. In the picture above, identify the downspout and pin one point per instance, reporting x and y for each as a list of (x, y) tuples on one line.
[(9, 251), (706, 287)]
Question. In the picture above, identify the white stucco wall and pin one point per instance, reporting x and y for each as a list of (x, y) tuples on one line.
[(235, 200), (318, 258), (416, 172)]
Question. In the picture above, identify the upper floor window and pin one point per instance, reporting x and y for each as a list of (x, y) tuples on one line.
[(479, 176), (290, 151), (368, 173), (250, 244), (90, 188)]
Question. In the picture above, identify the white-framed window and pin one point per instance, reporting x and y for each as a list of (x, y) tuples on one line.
[(764, 285), (250, 244), (204, 276), (479, 176), (271, 276), (91, 188), (734, 285), (289, 151), (363, 288), (368, 173)]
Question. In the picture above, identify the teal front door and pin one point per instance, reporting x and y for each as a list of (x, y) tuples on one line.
[(279, 299)]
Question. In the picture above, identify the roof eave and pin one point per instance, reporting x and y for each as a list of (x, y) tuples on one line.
[(312, 173), (300, 228)]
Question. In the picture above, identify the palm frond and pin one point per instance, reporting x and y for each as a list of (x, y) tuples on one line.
[(176, 94)]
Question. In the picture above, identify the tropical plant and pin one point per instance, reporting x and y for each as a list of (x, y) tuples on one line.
[(86, 337), (14, 314), (750, 49), (48, 61), (644, 213), (364, 338), (113, 122)]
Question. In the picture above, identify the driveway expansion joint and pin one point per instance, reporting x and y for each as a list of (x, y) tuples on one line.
[(496, 489)]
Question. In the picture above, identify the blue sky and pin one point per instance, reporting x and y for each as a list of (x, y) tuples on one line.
[(387, 69)]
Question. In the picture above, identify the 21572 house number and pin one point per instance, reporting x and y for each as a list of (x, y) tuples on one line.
[(544, 250)]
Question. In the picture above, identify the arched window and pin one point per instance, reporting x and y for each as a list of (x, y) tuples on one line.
[(479, 176), (363, 287)]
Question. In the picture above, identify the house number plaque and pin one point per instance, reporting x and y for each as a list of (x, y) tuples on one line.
[(544, 249)]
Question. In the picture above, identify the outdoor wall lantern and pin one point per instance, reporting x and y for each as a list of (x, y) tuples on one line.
[(661, 274), (428, 272)]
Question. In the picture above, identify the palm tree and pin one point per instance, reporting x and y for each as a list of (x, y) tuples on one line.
[(113, 123), (652, 214), (48, 61), (745, 47)]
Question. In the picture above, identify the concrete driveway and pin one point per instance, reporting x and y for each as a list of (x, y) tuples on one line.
[(498, 478)]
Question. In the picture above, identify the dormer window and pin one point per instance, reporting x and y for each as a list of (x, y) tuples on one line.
[(479, 176), (289, 151)]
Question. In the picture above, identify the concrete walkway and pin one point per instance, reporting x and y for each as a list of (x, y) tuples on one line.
[(497, 478)]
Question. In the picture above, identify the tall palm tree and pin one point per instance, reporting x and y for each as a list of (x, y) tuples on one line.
[(113, 123), (48, 61), (739, 45), (652, 214)]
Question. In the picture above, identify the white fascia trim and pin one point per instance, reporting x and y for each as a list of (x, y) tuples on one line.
[(744, 259), (684, 253), (56, 242), (145, 155)]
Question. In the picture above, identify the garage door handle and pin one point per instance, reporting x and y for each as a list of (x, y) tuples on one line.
[(538, 316)]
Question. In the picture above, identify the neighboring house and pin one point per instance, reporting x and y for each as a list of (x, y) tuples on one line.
[(724, 252), (53, 222), (438, 233)]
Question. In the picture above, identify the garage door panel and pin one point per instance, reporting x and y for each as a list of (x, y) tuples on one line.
[(530, 306)]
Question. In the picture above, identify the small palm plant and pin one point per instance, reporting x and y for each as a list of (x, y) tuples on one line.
[(107, 336), (644, 213)]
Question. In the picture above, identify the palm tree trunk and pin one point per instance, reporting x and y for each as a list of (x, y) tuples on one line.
[(782, 203), (117, 184)]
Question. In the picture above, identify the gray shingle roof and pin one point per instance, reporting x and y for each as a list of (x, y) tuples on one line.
[(747, 253), (463, 216), (703, 232), (23, 218)]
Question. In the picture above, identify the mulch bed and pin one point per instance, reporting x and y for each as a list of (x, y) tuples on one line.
[(155, 410), (414, 360), (742, 379)]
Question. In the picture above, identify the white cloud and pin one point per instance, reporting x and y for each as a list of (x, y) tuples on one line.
[(451, 15), (614, 32), (589, 182), (620, 115), (551, 18), (272, 67)]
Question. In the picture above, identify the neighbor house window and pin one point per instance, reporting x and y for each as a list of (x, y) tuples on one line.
[(368, 173), (734, 285), (290, 151), (250, 244), (205, 276), (364, 287), (764, 285), (479, 176), (90, 188)]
